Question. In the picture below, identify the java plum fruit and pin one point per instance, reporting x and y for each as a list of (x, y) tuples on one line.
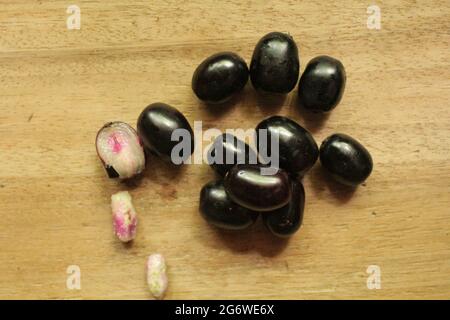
[(227, 151), (161, 128), (275, 64), (285, 221), (120, 150), (249, 187), (219, 77), (297, 149), (322, 84), (218, 209), (347, 160)]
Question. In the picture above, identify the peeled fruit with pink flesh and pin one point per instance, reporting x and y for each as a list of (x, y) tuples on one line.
[(120, 150)]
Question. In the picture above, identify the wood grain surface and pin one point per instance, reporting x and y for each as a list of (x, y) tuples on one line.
[(59, 86)]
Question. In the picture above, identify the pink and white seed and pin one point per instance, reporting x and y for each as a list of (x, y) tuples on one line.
[(157, 275), (124, 216)]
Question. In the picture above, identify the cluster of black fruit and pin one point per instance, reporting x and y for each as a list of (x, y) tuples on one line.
[(243, 192), (235, 201)]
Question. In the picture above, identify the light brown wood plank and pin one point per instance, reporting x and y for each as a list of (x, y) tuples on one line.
[(58, 87)]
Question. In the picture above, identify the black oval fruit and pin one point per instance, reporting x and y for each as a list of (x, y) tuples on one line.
[(248, 187), (275, 64), (346, 159), (322, 84), (219, 77), (217, 208), (227, 151), (297, 148), (156, 125), (287, 220)]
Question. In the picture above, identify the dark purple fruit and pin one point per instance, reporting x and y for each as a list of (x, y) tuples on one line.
[(219, 77), (227, 151), (322, 84), (248, 187), (297, 149), (163, 128), (120, 150), (217, 208), (285, 221), (346, 159), (275, 64)]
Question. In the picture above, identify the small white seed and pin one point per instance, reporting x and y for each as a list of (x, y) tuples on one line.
[(124, 216), (156, 275)]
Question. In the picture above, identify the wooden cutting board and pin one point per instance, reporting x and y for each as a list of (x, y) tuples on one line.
[(59, 86)]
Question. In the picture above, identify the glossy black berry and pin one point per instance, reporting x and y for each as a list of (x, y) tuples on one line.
[(219, 77), (322, 84), (297, 148), (163, 128), (275, 64), (249, 187), (346, 159), (218, 209), (227, 151), (287, 220)]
